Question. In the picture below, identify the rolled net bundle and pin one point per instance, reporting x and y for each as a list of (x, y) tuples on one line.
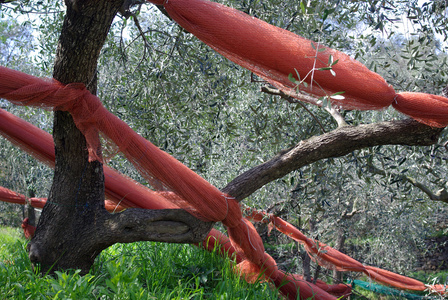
[(6, 195), (274, 54)]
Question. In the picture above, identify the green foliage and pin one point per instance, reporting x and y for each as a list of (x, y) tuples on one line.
[(127, 271), (431, 277), (21, 48), (21, 173)]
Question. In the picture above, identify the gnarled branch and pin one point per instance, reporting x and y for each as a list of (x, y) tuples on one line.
[(165, 225), (336, 143)]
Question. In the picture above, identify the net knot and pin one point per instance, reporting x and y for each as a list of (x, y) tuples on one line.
[(86, 110)]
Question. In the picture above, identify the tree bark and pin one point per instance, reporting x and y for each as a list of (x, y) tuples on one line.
[(306, 265), (29, 211), (336, 143), (74, 226), (340, 242), (76, 197)]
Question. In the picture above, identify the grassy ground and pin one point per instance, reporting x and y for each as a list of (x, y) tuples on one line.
[(127, 271), (140, 271)]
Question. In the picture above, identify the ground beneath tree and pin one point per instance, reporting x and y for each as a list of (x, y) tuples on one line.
[(436, 257)]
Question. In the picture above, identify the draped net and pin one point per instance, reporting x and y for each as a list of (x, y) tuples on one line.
[(273, 53)]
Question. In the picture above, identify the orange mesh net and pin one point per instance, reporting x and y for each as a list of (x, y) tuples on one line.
[(334, 259), (269, 52), (128, 193), (428, 109), (273, 53), (158, 167), (28, 230), (7, 195), (39, 144)]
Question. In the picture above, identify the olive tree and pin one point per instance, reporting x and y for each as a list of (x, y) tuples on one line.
[(258, 145)]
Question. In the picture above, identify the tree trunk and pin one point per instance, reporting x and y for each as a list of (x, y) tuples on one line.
[(77, 194), (306, 258), (74, 226), (306, 265), (29, 211), (340, 242)]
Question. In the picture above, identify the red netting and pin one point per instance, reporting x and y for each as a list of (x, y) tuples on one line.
[(158, 167), (243, 235), (123, 190), (274, 53), (334, 259), (27, 137), (39, 144), (7, 195), (338, 290), (428, 109), (28, 230)]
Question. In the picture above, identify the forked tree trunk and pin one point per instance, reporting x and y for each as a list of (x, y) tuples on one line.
[(74, 226), (77, 194)]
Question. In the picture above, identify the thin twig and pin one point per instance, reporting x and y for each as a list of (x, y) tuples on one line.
[(440, 195), (290, 99)]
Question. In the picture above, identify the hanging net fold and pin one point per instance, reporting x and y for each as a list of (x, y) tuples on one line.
[(274, 53)]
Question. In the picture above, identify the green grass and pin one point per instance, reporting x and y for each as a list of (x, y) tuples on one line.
[(127, 271), (431, 277)]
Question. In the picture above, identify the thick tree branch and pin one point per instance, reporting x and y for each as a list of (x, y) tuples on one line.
[(166, 225), (338, 142)]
